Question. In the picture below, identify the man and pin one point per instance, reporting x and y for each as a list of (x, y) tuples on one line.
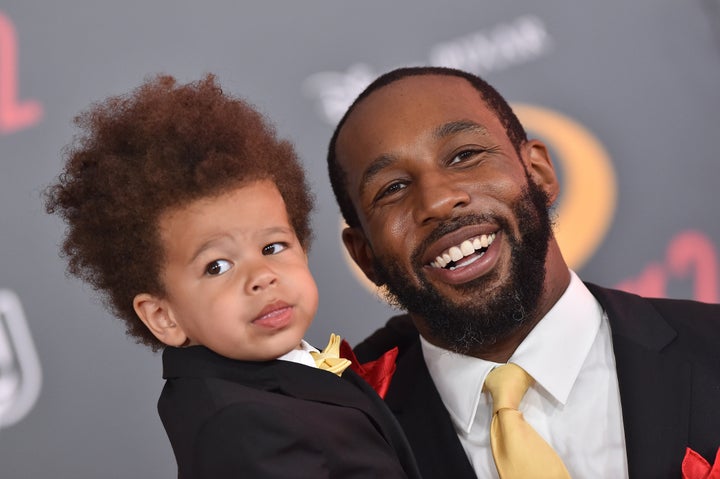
[(447, 205)]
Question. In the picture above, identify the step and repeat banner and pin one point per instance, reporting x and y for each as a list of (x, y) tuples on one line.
[(625, 94)]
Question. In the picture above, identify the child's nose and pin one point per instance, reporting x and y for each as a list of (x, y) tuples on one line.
[(261, 279)]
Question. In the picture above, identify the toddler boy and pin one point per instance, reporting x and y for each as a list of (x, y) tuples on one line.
[(191, 218)]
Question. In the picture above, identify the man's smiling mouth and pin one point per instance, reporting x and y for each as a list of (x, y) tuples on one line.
[(464, 253)]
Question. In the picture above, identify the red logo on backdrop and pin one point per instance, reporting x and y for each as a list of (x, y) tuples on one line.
[(14, 114), (690, 256)]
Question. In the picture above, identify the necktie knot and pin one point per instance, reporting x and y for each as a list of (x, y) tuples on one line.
[(329, 359), (507, 385)]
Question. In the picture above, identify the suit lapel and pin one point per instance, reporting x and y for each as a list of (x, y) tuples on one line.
[(414, 400), (388, 425), (654, 382), (349, 391)]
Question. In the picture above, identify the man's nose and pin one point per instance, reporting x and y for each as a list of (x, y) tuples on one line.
[(437, 198)]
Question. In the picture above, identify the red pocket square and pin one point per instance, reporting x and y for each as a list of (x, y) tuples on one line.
[(377, 373), (694, 466)]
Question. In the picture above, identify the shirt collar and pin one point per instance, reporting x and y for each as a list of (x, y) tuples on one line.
[(301, 356), (552, 354)]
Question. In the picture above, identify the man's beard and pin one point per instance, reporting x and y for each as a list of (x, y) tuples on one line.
[(487, 316)]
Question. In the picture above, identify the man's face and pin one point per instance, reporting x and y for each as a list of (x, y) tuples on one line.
[(453, 223)]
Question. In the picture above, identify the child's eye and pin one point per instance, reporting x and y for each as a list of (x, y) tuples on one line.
[(274, 248), (217, 267)]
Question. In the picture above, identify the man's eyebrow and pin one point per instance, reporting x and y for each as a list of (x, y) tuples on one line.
[(450, 128), (459, 126), (375, 167)]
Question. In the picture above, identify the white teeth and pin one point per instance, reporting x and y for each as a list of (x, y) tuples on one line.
[(439, 263), (466, 248)]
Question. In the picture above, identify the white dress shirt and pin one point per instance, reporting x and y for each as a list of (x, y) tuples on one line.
[(302, 355), (574, 404)]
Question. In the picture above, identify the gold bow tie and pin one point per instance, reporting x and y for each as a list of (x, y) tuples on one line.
[(329, 359)]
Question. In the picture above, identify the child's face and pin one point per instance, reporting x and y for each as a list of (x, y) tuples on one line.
[(236, 276)]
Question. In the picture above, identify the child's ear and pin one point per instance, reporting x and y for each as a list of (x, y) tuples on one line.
[(156, 315), (360, 251)]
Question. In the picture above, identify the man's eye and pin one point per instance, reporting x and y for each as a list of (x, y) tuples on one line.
[(217, 267), (463, 156), (393, 188), (274, 248)]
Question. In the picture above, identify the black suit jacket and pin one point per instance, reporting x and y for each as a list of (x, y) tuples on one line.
[(667, 356), (276, 419)]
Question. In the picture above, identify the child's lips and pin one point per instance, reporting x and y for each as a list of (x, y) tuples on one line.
[(274, 316)]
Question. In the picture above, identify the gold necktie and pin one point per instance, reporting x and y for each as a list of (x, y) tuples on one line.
[(518, 450), (329, 359)]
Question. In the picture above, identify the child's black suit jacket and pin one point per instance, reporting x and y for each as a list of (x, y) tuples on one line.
[(276, 419)]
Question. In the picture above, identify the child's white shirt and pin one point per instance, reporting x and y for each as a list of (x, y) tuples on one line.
[(301, 356)]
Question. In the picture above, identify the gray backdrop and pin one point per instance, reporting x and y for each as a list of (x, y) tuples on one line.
[(635, 145)]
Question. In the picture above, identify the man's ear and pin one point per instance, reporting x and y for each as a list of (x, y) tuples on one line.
[(156, 315), (540, 168), (359, 250)]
